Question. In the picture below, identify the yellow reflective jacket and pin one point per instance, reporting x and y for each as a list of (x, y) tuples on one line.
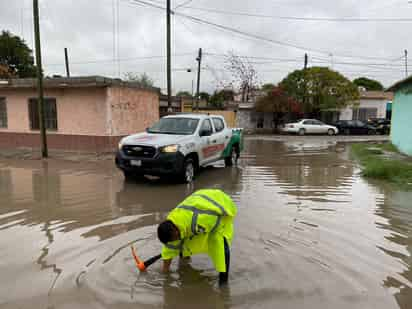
[(203, 219)]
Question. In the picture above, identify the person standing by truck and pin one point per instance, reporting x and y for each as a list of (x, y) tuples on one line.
[(202, 223)]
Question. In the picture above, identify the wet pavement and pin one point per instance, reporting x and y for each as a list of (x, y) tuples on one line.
[(310, 233)]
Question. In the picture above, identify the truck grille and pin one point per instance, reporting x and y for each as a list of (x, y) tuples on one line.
[(139, 151)]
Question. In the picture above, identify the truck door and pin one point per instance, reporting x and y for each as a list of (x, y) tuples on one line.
[(207, 146), (221, 136)]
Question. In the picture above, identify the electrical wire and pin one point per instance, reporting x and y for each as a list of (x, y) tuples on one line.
[(297, 18), (120, 59), (183, 4), (251, 35)]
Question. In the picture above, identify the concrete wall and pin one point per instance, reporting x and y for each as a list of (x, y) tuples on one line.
[(131, 110), (80, 111), (346, 113), (248, 120), (401, 128), (380, 105), (89, 119), (230, 116)]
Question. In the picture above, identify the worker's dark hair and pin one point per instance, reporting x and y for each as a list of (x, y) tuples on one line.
[(165, 231)]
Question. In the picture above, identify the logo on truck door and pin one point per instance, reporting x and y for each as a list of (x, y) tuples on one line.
[(210, 151)]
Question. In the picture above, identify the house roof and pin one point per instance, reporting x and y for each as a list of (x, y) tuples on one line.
[(376, 95), (71, 82), (395, 87)]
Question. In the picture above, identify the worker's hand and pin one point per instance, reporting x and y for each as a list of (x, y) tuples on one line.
[(166, 266), (185, 260)]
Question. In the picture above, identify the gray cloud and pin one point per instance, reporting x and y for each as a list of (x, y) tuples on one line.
[(86, 28)]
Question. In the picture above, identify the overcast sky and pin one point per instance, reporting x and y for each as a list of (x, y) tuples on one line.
[(96, 34)]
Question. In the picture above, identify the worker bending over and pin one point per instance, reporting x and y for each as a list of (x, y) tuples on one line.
[(202, 223)]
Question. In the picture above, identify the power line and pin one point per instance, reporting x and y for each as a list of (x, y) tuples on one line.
[(183, 4), (251, 35), (122, 59), (295, 18)]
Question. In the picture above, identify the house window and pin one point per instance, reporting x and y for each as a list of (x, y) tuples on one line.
[(364, 114), (3, 113), (50, 114)]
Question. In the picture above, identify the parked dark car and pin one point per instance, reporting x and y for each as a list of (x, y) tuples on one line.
[(382, 125), (348, 127)]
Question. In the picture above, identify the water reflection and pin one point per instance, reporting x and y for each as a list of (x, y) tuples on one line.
[(395, 207), (310, 233)]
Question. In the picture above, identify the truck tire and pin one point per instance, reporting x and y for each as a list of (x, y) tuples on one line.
[(128, 176), (131, 177), (233, 157), (187, 174)]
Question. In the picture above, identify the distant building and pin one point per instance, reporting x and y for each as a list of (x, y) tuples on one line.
[(401, 129), (177, 105), (372, 104), (81, 113), (190, 104)]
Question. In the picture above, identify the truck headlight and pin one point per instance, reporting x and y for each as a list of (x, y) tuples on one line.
[(120, 145), (170, 149)]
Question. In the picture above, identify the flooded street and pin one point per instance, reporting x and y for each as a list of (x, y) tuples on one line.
[(310, 233)]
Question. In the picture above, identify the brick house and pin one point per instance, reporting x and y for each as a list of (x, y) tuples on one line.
[(81, 113)]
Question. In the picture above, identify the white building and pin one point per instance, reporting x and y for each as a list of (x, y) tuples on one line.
[(372, 104)]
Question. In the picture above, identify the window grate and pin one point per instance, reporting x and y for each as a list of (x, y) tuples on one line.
[(50, 114), (3, 113)]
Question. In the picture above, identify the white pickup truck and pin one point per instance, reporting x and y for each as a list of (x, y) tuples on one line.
[(178, 145)]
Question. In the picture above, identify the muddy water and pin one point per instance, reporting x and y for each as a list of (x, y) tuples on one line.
[(310, 233)]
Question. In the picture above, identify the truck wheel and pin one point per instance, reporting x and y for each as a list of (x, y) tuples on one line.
[(132, 177), (128, 176), (188, 171), (233, 157)]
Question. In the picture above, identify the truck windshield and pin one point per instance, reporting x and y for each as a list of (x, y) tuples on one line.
[(178, 126)]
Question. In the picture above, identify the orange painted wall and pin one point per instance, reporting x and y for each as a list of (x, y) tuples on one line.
[(131, 110), (80, 111)]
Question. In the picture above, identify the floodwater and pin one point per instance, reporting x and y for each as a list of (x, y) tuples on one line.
[(310, 233)]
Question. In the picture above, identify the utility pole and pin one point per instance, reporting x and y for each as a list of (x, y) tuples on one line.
[(66, 60), (199, 61), (406, 62), (169, 61), (305, 82), (39, 79), (306, 61)]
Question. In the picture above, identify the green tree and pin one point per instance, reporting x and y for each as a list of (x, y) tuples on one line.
[(143, 79), (219, 98), (277, 102), (368, 84), (204, 96), (184, 94), (268, 87), (319, 88), (16, 57)]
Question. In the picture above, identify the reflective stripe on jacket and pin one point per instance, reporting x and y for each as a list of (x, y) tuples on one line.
[(203, 219)]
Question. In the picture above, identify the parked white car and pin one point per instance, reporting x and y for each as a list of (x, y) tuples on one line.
[(310, 126)]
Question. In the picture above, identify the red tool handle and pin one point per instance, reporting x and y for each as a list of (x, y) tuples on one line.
[(142, 266)]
